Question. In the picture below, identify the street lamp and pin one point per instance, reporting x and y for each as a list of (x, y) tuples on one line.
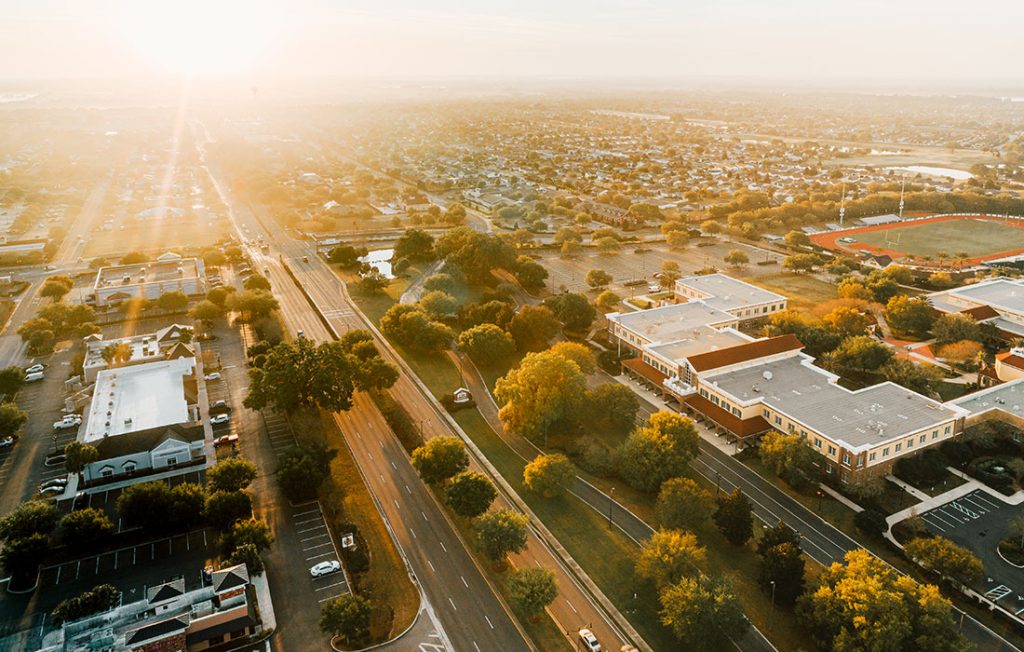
[(770, 622), (820, 496), (718, 482)]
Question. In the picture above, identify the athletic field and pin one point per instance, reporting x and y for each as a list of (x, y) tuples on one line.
[(972, 239)]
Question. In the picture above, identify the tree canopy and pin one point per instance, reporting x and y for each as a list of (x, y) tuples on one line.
[(440, 458), (546, 389), (658, 450)]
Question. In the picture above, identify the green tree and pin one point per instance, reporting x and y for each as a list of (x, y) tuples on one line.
[(903, 614), (598, 278), (499, 533), (21, 557), (798, 239), (414, 245), (134, 258), (612, 407), (257, 282), (376, 374), (531, 590), (910, 315), (607, 300), (669, 556), (683, 504), (225, 507), (532, 327), (12, 379), (530, 274), (776, 535), (440, 458), (231, 474), (174, 301), (252, 304), (475, 253), (545, 390), (801, 262), (410, 326), (300, 373), (782, 573), (12, 418), (85, 528), (955, 328), (608, 245), (858, 355), (734, 516), (847, 322), (578, 353), (487, 344), (95, 600), (348, 617), (549, 475), (206, 312), (438, 304), (703, 613), (146, 505), (249, 555), (56, 287), (347, 256), (945, 558), (657, 451), (254, 532), (736, 258), (915, 377), (573, 310), (28, 518), (301, 470), (789, 456), (470, 494), (187, 501)]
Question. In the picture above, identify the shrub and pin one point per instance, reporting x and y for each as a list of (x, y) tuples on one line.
[(870, 522)]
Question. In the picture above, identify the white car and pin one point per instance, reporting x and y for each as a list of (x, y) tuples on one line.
[(7, 442), (53, 490), (226, 440), (325, 568), (214, 376), (219, 419), (56, 482), (589, 641), (70, 421), (34, 369)]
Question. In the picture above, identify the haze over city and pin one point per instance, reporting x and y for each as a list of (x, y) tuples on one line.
[(519, 326)]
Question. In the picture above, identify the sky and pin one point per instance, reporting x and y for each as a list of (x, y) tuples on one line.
[(891, 42)]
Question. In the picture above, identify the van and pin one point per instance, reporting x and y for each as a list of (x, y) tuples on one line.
[(34, 376)]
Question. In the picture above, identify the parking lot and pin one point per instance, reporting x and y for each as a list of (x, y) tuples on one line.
[(978, 521), (318, 545), (106, 499)]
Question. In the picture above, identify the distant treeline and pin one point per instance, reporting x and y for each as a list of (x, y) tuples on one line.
[(750, 215)]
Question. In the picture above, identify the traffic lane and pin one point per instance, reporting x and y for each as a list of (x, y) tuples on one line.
[(574, 609), (454, 584)]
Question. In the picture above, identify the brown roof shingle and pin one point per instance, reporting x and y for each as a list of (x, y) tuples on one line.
[(744, 352)]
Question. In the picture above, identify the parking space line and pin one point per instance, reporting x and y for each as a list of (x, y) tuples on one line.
[(324, 588), (309, 520), (935, 515), (315, 536), (320, 545), (325, 554), (310, 529), (935, 525)]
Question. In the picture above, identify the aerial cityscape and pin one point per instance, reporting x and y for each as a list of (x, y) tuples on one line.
[(459, 327)]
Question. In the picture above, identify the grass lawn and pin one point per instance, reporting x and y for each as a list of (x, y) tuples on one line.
[(803, 290), (375, 305), (346, 498), (974, 237)]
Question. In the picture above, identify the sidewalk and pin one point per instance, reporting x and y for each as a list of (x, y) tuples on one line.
[(910, 489), (719, 442), (259, 582)]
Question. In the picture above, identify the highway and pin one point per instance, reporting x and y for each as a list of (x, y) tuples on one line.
[(471, 614)]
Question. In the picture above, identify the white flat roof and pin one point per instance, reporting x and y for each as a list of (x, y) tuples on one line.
[(1004, 293), (673, 322), (139, 397), (700, 340), (858, 419), (727, 293), (1008, 397)]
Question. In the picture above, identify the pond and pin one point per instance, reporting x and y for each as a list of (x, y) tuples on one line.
[(380, 260), (959, 175)]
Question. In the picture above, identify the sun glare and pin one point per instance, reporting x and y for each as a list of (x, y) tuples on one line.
[(197, 37)]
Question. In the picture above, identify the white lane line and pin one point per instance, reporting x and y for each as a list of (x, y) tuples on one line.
[(322, 545), (309, 520), (324, 588), (310, 529), (408, 490), (489, 621), (396, 503), (452, 602), (412, 532), (315, 536), (934, 525), (571, 607), (476, 646), (393, 466), (442, 546), (308, 511), (424, 516), (463, 581), (431, 566)]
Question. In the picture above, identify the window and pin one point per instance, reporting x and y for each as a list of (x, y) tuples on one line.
[(778, 420), (899, 447), (947, 429), (106, 472), (860, 462), (935, 434), (831, 450), (171, 461), (765, 413), (921, 439), (846, 458), (817, 443), (791, 427), (129, 467), (736, 411), (714, 399), (871, 456), (910, 443), (885, 452)]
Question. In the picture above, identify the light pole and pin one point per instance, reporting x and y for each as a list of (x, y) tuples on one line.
[(820, 495), (773, 607), (718, 482)]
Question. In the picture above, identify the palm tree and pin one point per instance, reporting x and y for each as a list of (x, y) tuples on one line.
[(116, 353)]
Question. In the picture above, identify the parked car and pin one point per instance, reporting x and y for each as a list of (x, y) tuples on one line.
[(34, 377), (305, 259), (589, 641), (51, 491), (219, 419), (7, 442), (55, 482), (214, 376), (300, 334), (34, 369), (325, 568), (56, 460), (226, 440), (69, 421), (219, 407)]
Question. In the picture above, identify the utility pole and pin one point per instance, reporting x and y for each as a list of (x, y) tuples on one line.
[(903, 185), (842, 206)]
